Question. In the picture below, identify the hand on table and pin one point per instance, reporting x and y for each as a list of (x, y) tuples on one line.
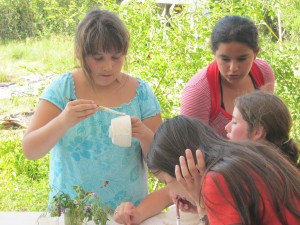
[(126, 213)]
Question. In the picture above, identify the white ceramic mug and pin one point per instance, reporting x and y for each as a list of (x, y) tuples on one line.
[(120, 131)]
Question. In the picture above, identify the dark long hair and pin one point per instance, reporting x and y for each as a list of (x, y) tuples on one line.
[(235, 28), (235, 162)]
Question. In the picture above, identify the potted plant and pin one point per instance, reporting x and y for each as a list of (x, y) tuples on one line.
[(86, 206)]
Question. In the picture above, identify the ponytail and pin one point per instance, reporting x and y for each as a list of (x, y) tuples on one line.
[(291, 148)]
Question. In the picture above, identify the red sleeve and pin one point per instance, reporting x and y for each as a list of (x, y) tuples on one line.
[(220, 207), (195, 100)]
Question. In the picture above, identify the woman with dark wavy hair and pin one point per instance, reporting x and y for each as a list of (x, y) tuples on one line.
[(243, 182)]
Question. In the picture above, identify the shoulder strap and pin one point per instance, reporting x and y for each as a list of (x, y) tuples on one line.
[(257, 75), (212, 75)]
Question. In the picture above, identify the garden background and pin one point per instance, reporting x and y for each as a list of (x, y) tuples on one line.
[(36, 39)]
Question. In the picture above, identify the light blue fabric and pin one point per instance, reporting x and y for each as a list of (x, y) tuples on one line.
[(86, 156)]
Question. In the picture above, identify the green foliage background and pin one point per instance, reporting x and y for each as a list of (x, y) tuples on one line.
[(166, 52)]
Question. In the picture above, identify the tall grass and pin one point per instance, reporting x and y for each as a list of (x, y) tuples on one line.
[(25, 183), (35, 55)]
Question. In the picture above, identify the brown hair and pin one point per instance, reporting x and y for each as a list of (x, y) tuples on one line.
[(100, 31), (235, 161), (264, 109)]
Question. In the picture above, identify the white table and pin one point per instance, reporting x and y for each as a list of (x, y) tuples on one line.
[(31, 218)]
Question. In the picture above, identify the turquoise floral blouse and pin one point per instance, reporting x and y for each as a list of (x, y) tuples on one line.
[(86, 156)]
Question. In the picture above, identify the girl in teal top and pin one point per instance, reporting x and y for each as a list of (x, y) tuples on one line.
[(76, 133)]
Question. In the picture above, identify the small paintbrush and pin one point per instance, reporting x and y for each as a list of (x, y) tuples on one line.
[(177, 212), (103, 108)]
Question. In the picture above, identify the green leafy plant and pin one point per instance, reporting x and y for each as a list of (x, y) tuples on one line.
[(86, 206)]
